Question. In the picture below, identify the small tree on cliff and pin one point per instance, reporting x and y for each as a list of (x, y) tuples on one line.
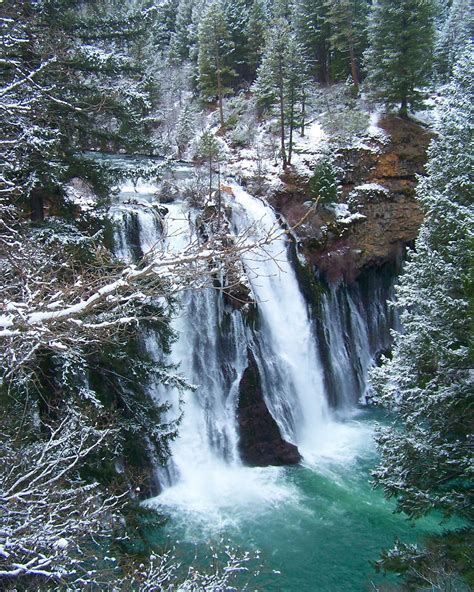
[(400, 54), (323, 184), (210, 150)]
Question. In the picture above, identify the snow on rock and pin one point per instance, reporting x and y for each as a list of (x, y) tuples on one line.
[(341, 210), (344, 216), (372, 188), (357, 216), (61, 544)]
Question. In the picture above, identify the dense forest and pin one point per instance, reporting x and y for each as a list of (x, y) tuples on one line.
[(275, 95)]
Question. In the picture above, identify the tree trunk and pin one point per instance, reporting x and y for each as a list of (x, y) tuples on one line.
[(210, 177), (291, 123), (219, 94), (219, 196), (404, 108), (36, 206), (303, 113), (354, 68)]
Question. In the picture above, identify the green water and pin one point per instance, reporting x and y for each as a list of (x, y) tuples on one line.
[(316, 527)]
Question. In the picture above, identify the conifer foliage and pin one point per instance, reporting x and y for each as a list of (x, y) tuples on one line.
[(427, 459), (283, 77), (400, 54), (215, 51), (348, 20)]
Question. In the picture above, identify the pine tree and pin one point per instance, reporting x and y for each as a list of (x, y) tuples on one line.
[(455, 33), (89, 93), (282, 9), (215, 56), (184, 39), (210, 150), (185, 128), (348, 20), (295, 90), (323, 184), (282, 77), (400, 54), (237, 16), (255, 31), (426, 462), (313, 32)]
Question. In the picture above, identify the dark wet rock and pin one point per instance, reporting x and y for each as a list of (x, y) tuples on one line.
[(261, 443)]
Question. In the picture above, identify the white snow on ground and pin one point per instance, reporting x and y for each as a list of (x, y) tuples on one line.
[(307, 148), (374, 131), (314, 136), (373, 136), (430, 115)]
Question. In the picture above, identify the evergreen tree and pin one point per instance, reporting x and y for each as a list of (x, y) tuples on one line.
[(282, 9), (348, 20), (165, 23), (282, 78), (185, 128), (323, 184), (209, 150), (313, 32), (183, 38), (237, 16), (215, 56), (295, 90), (400, 54), (255, 31), (89, 93), (456, 31), (426, 463)]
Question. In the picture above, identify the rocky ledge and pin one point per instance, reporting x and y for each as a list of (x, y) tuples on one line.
[(378, 214)]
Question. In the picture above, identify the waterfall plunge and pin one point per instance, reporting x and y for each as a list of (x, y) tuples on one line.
[(205, 475), (288, 359)]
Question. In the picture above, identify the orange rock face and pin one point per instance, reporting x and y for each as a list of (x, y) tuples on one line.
[(379, 183)]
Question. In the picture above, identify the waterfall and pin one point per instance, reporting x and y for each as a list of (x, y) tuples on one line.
[(307, 367), (137, 224), (286, 349), (354, 328), (211, 353)]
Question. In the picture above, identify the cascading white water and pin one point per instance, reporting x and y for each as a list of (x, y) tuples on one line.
[(288, 359), (205, 474), (137, 228), (211, 358), (355, 329)]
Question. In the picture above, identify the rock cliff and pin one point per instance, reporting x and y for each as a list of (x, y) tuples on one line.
[(377, 214)]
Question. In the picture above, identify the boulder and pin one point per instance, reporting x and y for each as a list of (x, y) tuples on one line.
[(261, 443)]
